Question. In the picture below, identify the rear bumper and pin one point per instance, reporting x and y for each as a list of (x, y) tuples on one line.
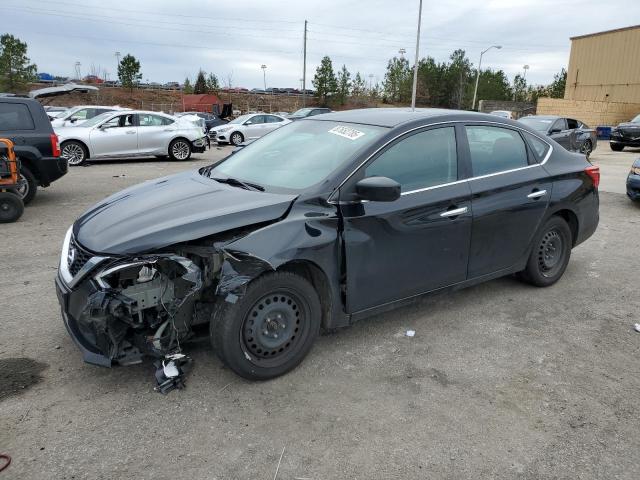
[(51, 169), (633, 187)]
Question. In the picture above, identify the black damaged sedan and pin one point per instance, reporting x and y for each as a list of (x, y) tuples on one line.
[(317, 225)]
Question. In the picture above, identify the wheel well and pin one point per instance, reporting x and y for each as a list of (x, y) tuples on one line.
[(572, 220), (314, 274), (86, 147), (178, 138)]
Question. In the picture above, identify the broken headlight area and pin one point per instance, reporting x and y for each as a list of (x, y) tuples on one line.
[(143, 307)]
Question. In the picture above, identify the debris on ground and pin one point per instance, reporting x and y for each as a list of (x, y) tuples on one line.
[(637, 327), (5, 462), (410, 333), (170, 372)]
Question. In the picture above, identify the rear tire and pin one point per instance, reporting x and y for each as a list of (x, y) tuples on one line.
[(11, 207), (616, 147), (27, 185), (550, 254), (180, 149), (75, 153), (270, 329), (587, 148)]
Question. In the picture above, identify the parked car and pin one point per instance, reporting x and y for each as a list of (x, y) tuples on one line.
[(129, 134), (53, 112), (572, 134), (247, 127), (78, 115), (633, 181), (210, 120), (258, 90), (317, 225), (308, 112), (502, 113), (625, 135), (25, 123)]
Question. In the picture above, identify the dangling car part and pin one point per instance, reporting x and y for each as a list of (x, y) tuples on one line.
[(319, 224)]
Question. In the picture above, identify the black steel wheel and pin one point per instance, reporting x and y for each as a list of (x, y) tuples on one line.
[(270, 329), (616, 147), (550, 255), (11, 207)]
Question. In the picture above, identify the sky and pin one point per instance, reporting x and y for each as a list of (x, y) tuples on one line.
[(233, 39)]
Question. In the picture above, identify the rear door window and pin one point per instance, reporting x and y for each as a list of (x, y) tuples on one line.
[(15, 116), (495, 149)]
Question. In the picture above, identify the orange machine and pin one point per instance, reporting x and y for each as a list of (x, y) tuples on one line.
[(11, 206)]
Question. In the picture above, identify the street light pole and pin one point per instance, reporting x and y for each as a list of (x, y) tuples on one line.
[(264, 76), (415, 65), (475, 90), (524, 77)]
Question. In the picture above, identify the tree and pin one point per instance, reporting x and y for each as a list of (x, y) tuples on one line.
[(15, 70), (358, 86), (129, 71), (459, 80), (519, 88), (187, 88), (213, 85), (324, 80), (556, 88), (397, 80), (344, 84), (200, 86)]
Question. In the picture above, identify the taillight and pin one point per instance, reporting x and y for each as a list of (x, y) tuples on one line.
[(55, 145), (594, 172)]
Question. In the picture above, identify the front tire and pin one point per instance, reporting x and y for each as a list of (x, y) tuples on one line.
[(75, 153), (236, 138), (270, 329), (616, 147), (27, 185), (180, 149), (550, 254), (11, 207)]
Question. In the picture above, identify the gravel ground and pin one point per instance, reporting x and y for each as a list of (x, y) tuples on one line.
[(502, 380)]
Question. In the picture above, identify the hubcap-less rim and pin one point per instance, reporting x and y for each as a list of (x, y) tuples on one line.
[(180, 150), (586, 148), (236, 138), (73, 153), (274, 327), (550, 253)]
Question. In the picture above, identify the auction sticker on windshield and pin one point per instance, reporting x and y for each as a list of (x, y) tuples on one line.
[(346, 132)]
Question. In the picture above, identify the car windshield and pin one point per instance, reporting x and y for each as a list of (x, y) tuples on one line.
[(298, 155), (537, 123), (636, 119), (241, 119), (303, 112), (92, 122)]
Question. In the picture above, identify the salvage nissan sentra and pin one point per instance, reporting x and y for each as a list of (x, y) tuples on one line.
[(315, 226)]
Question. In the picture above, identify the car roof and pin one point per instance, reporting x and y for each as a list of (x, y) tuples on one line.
[(392, 117), (546, 117)]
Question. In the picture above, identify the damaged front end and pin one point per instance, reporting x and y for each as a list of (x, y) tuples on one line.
[(118, 310)]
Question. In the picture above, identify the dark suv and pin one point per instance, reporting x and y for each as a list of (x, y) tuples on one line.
[(626, 134), (25, 123)]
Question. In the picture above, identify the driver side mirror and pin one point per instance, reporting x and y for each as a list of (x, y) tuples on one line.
[(248, 122), (554, 130), (73, 120), (378, 189)]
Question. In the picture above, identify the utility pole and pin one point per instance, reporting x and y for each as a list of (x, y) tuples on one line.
[(304, 67), (415, 66), (77, 65), (524, 77), (371, 81), (475, 90), (264, 76), (402, 51)]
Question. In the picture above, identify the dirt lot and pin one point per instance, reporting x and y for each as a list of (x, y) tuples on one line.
[(502, 380)]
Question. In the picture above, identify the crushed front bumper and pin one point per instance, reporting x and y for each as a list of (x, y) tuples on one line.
[(72, 302), (200, 145)]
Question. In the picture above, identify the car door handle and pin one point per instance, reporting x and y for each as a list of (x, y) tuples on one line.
[(455, 212), (537, 194), (130, 132), (168, 129)]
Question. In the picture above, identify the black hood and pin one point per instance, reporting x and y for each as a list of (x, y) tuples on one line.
[(630, 125), (173, 209)]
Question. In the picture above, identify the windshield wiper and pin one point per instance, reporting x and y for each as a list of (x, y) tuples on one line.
[(239, 183)]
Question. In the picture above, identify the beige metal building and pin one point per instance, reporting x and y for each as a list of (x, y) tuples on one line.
[(605, 66)]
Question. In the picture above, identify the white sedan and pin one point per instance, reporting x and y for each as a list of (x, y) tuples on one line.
[(129, 134), (78, 115), (247, 127)]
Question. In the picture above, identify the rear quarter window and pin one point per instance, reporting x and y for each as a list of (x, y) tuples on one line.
[(15, 116), (539, 147)]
